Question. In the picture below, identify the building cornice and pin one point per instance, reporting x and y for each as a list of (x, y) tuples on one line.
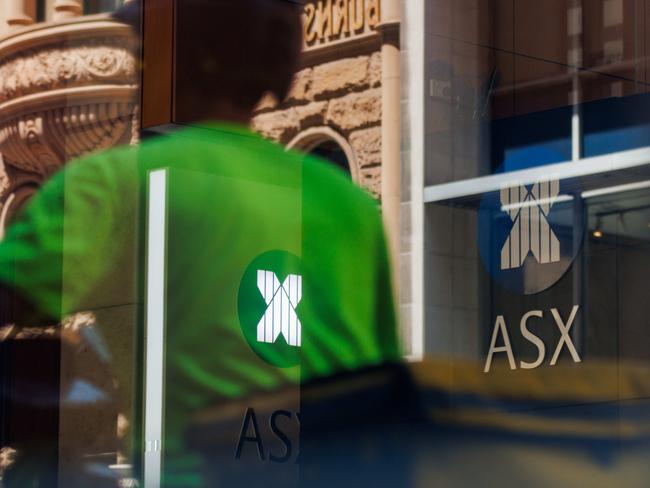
[(65, 31), (67, 88)]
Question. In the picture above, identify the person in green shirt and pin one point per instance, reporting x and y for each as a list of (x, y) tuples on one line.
[(275, 264)]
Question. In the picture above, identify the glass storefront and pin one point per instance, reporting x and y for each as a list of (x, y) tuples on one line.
[(401, 243), (536, 170), (536, 229)]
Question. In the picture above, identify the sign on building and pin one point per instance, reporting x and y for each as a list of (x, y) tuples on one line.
[(328, 21)]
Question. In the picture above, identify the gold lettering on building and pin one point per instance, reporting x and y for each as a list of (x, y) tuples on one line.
[(342, 25), (357, 8), (372, 12), (324, 16), (309, 19), (327, 21)]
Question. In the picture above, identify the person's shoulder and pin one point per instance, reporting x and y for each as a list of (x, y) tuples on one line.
[(199, 146), (114, 159), (102, 176), (209, 135), (335, 186)]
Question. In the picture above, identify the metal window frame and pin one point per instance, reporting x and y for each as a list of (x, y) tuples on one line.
[(154, 338)]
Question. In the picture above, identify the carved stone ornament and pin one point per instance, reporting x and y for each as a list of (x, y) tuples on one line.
[(62, 66), (66, 90), (41, 142)]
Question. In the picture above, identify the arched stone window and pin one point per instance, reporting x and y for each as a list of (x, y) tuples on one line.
[(330, 145)]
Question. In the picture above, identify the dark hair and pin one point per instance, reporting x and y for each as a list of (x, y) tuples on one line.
[(239, 49)]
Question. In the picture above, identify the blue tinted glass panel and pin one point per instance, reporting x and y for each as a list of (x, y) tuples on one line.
[(531, 140), (616, 124)]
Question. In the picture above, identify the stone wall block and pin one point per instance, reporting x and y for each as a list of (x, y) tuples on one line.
[(280, 126), (375, 70), (355, 110), (301, 89), (311, 115), (370, 179), (267, 103), (339, 77), (367, 146)]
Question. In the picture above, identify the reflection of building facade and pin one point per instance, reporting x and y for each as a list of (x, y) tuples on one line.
[(337, 95), (502, 96), (345, 104), (515, 190), (501, 88), (68, 87)]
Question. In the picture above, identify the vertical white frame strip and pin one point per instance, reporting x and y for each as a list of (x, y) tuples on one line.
[(576, 131), (415, 33), (155, 327)]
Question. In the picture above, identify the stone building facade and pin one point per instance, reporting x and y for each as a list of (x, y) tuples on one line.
[(337, 100), (68, 87)]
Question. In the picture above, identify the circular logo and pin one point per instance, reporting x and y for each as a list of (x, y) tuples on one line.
[(529, 234), (268, 303)]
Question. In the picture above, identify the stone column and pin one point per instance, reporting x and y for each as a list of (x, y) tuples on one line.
[(67, 9), (19, 13), (391, 128)]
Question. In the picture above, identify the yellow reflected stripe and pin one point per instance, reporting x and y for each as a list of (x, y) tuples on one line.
[(584, 382), (533, 425)]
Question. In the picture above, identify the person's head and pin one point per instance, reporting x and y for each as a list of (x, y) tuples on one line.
[(229, 53)]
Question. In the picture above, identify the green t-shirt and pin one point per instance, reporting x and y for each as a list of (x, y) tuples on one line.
[(276, 265)]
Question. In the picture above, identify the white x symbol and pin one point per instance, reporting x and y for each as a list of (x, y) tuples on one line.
[(531, 231), (565, 338), (280, 316)]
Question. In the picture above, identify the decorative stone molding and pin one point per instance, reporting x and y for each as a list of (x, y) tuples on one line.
[(42, 141), (66, 89), (56, 67)]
